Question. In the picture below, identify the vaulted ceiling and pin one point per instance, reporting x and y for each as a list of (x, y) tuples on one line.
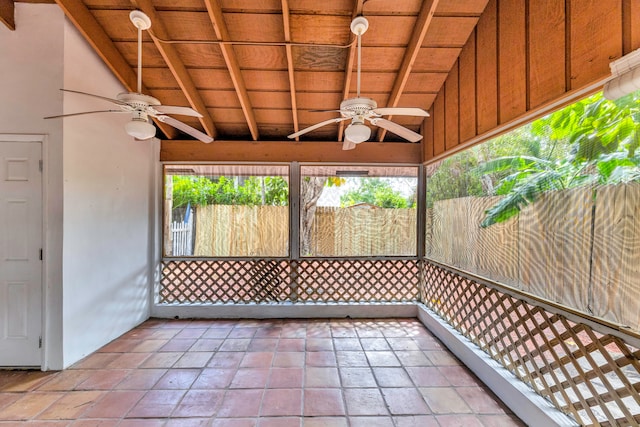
[(257, 69)]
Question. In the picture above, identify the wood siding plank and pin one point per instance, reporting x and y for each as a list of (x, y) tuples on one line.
[(547, 51), (427, 141), (439, 124), (512, 60), (630, 25), (595, 39), (487, 69), (451, 105), (467, 90)]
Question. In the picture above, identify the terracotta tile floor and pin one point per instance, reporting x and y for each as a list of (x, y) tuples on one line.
[(252, 373)]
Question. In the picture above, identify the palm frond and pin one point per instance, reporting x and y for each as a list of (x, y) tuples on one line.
[(521, 195), (511, 163)]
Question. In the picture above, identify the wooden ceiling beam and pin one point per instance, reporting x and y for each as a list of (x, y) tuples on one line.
[(95, 35), (413, 48), (288, 151), (170, 55), (348, 71), (7, 14), (292, 82), (229, 55)]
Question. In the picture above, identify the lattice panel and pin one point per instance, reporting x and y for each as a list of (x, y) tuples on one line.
[(357, 280), (312, 280), (224, 281), (592, 377)]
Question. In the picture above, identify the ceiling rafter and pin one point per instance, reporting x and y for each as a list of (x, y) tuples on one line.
[(292, 82), (178, 69), (348, 71), (93, 32), (413, 48), (7, 14), (220, 27)]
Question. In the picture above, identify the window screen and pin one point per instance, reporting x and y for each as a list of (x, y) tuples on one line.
[(551, 208), (226, 210), (358, 211)]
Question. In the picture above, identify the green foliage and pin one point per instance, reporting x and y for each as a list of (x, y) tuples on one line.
[(451, 181), (599, 137), (252, 191), (591, 142), (375, 191), (461, 175), (594, 126), (523, 187)]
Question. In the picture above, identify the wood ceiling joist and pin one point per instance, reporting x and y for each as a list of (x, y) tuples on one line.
[(348, 71), (287, 151), (217, 19), (7, 14), (93, 32), (175, 64), (292, 82), (417, 38)]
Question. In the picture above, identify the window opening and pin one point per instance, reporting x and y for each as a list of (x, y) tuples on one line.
[(353, 211), (226, 211)]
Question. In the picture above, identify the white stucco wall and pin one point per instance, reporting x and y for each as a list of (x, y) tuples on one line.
[(31, 66), (108, 213), (99, 185)]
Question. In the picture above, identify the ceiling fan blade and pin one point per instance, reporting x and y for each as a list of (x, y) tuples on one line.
[(318, 125), (347, 144), (401, 111), (401, 131), (185, 128), (104, 98), (85, 112), (172, 109)]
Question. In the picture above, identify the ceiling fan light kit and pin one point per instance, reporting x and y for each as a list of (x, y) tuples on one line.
[(140, 129), (357, 132), (361, 109), (143, 107)]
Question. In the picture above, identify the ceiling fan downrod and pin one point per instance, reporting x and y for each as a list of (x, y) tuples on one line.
[(359, 26), (142, 22)]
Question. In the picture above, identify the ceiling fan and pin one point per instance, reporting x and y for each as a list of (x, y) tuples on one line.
[(143, 107), (361, 109)]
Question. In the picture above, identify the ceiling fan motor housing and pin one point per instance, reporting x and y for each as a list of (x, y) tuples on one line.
[(357, 106)]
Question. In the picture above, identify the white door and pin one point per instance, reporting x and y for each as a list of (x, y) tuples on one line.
[(20, 253)]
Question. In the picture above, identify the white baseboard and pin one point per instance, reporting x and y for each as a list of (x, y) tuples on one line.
[(284, 311)]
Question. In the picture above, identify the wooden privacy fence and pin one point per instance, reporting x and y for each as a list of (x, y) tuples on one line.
[(182, 237), (578, 247), (225, 230), (364, 231), (229, 230)]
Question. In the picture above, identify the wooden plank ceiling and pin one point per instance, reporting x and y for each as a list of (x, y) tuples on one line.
[(256, 69)]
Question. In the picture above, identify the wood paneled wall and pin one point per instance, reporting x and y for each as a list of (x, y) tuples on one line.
[(523, 56)]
